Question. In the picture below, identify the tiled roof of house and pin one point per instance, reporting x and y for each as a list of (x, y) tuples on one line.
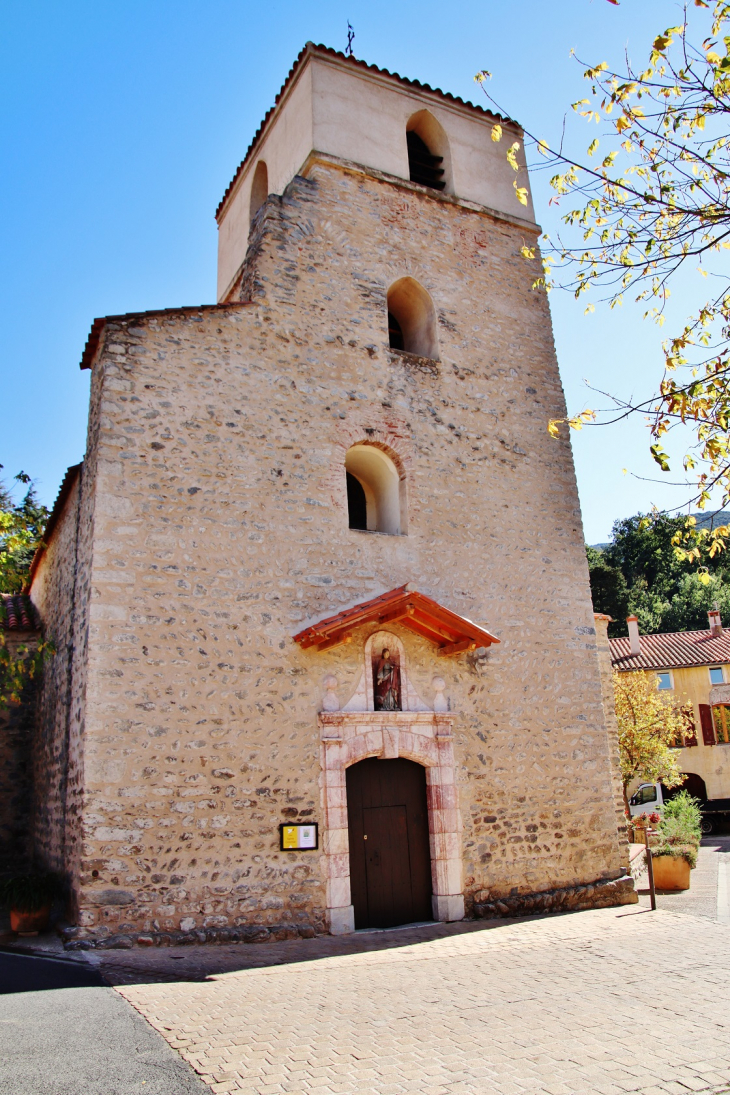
[(325, 51), (672, 651), (18, 613)]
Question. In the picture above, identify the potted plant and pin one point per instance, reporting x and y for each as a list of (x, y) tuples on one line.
[(672, 864), (641, 824), (29, 898), (675, 843)]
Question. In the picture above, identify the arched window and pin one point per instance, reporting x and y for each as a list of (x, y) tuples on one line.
[(429, 159), (357, 506), (376, 499), (259, 189), (412, 319)]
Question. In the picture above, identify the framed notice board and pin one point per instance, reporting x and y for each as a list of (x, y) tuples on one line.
[(299, 837)]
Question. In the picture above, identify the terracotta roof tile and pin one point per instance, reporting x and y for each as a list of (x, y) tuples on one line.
[(673, 650), (310, 47), (18, 613)]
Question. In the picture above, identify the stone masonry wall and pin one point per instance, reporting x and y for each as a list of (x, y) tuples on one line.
[(61, 591), (53, 595), (220, 528)]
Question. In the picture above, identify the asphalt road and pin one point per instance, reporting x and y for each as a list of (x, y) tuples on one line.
[(63, 1032)]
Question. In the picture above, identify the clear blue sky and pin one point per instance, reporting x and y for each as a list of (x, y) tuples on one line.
[(122, 125)]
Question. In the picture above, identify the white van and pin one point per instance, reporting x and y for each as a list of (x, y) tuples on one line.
[(646, 799)]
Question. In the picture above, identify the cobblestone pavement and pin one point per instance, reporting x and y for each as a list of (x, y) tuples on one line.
[(607, 1001)]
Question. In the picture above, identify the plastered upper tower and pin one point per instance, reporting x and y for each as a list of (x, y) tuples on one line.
[(342, 112), (321, 576)]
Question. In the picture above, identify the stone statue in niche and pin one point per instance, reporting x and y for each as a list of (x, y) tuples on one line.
[(386, 682)]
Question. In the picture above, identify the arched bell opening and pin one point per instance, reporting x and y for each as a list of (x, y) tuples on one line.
[(259, 189), (429, 154)]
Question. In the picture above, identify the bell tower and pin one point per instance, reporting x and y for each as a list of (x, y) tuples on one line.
[(334, 658)]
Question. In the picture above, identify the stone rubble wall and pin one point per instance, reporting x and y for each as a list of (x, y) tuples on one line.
[(53, 595), (217, 528), (604, 893), (62, 593)]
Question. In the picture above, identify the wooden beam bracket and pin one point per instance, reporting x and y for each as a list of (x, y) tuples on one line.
[(456, 648)]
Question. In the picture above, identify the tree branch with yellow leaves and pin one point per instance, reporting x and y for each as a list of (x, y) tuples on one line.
[(651, 198)]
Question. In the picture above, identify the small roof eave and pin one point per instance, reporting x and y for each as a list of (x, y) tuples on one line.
[(450, 632), (64, 491)]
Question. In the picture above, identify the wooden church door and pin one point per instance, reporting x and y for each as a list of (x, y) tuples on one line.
[(390, 863)]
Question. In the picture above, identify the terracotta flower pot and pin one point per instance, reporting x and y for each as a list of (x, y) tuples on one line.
[(30, 921), (671, 872)]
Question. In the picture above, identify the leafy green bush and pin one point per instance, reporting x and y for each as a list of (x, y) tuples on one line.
[(27, 893), (679, 833), (681, 823)]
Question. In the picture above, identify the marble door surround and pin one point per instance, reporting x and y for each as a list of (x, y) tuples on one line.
[(421, 735)]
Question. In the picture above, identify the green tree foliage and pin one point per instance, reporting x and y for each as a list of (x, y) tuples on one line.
[(19, 666), (648, 725), (609, 589), (640, 573), (21, 527)]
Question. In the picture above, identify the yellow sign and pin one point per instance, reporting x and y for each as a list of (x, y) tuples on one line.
[(297, 837), (290, 836)]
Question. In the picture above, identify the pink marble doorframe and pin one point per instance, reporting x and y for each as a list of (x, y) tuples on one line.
[(422, 736)]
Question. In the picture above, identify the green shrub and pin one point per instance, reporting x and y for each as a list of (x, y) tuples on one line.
[(681, 823), (30, 892), (674, 830)]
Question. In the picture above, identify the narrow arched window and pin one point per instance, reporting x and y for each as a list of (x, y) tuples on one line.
[(412, 319), (376, 500), (429, 155), (259, 189), (357, 507)]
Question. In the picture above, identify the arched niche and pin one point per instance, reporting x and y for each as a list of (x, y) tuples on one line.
[(429, 154), (411, 315), (259, 189), (382, 482), (363, 698)]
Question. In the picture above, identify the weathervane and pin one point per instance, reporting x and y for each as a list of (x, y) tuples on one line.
[(350, 39)]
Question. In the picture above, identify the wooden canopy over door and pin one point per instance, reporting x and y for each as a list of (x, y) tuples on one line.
[(452, 634)]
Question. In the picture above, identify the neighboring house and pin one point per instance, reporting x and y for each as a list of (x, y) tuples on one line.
[(319, 666), (694, 666)]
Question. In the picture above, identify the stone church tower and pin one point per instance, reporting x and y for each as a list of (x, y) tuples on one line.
[(326, 651)]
